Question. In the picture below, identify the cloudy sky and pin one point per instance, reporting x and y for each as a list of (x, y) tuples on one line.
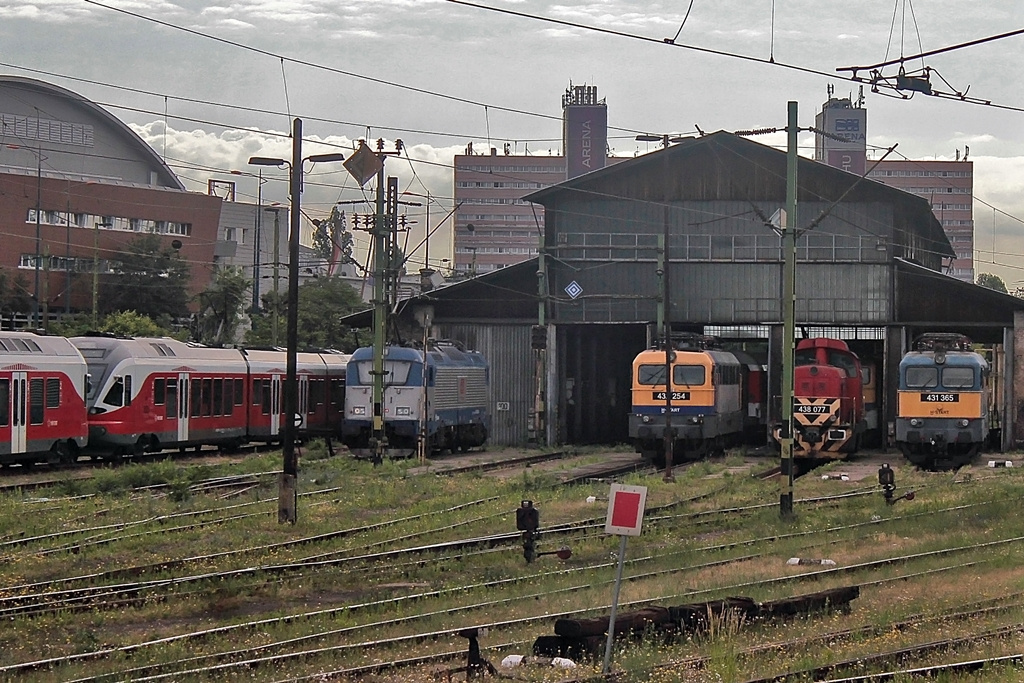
[(209, 84)]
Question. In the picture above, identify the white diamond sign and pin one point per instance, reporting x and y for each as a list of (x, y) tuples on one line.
[(573, 289)]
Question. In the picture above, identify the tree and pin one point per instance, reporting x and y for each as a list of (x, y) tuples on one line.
[(333, 233), (121, 323), (992, 282), (15, 296), (149, 278), (221, 306), (322, 303)]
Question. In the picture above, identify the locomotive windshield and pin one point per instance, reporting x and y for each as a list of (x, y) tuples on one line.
[(957, 378), (922, 378), (651, 374), (688, 375), (682, 375), (396, 372)]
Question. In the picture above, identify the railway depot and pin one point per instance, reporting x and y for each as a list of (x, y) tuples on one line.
[(869, 261)]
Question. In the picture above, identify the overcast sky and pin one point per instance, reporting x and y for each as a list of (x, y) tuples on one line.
[(210, 84)]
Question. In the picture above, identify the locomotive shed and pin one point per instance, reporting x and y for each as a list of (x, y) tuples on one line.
[(869, 271)]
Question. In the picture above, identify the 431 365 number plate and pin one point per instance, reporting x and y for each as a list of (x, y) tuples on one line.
[(940, 398)]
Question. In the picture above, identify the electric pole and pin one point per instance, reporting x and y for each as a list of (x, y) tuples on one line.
[(788, 318)]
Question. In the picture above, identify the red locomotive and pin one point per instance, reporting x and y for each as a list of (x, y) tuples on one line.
[(828, 400), (42, 399)]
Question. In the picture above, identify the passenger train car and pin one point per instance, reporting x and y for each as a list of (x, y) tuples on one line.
[(149, 394), (828, 400), (42, 399), (442, 395), (717, 397), (942, 406)]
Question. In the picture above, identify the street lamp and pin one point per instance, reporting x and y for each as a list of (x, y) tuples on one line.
[(287, 490)]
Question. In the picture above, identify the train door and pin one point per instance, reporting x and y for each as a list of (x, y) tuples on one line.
[(303, 399), (275, 405), (19, 399), (183, 393)]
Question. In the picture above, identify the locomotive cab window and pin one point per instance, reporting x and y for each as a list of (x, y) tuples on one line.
[(650, 374), (922, 378), (958, 378), (689, 375), (115, 395)]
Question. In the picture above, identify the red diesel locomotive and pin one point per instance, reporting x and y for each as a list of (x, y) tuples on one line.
[(828, 400)]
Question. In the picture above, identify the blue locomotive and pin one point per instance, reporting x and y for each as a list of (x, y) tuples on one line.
[(942, 402), (441, 396)]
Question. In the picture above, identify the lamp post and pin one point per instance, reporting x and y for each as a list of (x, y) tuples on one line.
[(287, 490)]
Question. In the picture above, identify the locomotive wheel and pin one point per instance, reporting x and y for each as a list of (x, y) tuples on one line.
[(60, 455), (116, 456)]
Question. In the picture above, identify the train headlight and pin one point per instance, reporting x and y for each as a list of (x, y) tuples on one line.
[(696, 420), (963, 423), (646, 419), (359, 410), (403, 410), (916, 422)]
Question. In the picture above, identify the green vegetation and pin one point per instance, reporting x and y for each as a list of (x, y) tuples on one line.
[(172, 531)]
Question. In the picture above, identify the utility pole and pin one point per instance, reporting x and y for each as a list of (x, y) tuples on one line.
[(277, 265), (669, 436), (788, 317), (539, 344)]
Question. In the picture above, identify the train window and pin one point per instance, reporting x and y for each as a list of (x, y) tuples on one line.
[(35, 401), (239, 392), (5, 402), (689, 375), (53, 393), (127, 390), (159, 391), (218, 397), (957, 378), (257, 384), (172, 399), (650, 374), (265, 409), (337, 392), (196, 394), (229, 401), (922, 378), (115, 395), (207, 397), (316, 394)]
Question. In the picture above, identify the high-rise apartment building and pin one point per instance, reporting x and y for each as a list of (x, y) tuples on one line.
[(947, 185), (494, 227)]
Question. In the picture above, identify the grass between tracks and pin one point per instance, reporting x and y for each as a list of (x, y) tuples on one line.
[(954, 550)]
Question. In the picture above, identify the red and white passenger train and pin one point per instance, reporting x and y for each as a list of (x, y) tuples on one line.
[(111, 397), (42, 399)]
